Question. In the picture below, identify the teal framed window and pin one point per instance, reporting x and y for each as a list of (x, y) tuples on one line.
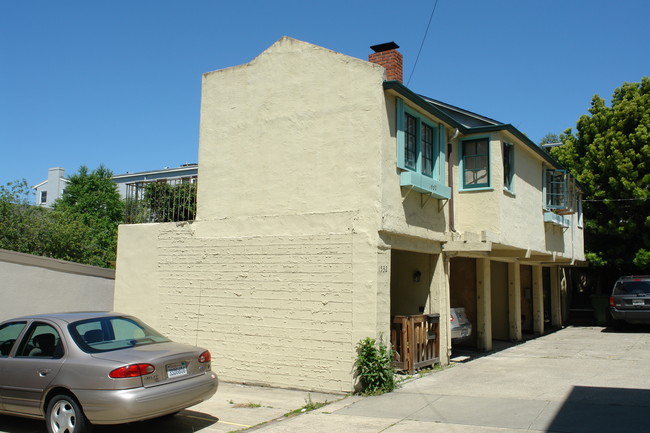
[(556, 189), (509, 166), (421, 153), (418, 140), (475, 162), (410, 141)]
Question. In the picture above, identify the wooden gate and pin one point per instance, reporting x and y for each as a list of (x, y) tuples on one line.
[(415, 341)]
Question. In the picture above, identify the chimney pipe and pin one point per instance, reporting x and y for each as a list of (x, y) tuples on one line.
[(386, 55)]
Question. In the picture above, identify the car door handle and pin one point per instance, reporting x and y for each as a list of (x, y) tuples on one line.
[(43, 372)]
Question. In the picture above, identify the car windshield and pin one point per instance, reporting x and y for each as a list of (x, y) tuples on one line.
[(104, 334), (632, 287)]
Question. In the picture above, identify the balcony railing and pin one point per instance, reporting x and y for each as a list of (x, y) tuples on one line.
[(167, 200), (415, 341)]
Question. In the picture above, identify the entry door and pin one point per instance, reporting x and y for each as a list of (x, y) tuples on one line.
[(28, 374), (526, 298)]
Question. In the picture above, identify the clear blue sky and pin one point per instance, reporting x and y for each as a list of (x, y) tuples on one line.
[(118, 82)]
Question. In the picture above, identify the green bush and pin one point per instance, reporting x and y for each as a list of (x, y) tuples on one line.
[(374, 367)]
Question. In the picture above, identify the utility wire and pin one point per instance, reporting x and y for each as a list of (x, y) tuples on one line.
[(422, 44), (618, 199)]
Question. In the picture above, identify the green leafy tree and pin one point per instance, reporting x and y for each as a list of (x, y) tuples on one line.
[(23, 227), (92, 204), (610, 156), (550, 138)]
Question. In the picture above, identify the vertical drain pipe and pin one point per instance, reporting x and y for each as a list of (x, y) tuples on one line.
[(450, 180)]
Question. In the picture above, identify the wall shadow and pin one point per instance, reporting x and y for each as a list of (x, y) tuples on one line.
[(603, 410)]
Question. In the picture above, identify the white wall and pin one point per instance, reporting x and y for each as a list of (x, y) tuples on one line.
[(32, 284)]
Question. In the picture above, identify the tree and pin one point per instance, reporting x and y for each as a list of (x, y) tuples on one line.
[(610, 156), (23, 227), (92, 203), (550, 138)]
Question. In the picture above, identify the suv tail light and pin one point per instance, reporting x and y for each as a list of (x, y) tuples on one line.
[(611, 301), (134, 370), (205, 357)]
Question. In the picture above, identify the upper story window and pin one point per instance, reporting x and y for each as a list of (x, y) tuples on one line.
[(508, 166), (556, 189), (561, 194), (475, 162), (420, 152), (43, 197)]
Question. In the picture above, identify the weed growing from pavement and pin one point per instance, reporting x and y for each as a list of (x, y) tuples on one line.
[(250, 405), (309, 406)]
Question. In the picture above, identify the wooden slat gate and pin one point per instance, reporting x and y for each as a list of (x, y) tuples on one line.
[(415, 341)]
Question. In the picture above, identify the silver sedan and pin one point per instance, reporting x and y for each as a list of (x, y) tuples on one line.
[(79, 369)]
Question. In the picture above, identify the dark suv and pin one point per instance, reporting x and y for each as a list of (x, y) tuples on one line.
[(630, 300)]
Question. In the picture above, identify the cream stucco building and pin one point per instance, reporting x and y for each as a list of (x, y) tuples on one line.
[(332, 198)]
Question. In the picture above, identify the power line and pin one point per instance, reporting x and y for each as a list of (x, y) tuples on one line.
[(616, 199), (422, 44)]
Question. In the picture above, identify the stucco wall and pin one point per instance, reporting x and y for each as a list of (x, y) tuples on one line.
[(515, 218), (406, 212), (282, 309), (32, 284), (294, 131)]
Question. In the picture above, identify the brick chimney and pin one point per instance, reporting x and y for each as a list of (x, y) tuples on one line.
[(387, 56)]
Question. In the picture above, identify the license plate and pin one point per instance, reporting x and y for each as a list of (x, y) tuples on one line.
[(638, 302), (176, 370)]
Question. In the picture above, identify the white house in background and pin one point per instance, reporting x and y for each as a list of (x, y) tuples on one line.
[(48, 191)]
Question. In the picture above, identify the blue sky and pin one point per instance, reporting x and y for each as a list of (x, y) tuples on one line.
[(118, 82)]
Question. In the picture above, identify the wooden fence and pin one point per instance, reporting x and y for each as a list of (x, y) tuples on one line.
[(415, 341)]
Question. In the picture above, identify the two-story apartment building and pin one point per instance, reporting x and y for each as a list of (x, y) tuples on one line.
[(333, 198)]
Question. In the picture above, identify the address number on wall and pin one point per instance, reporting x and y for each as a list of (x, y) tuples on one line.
[(383, 268)]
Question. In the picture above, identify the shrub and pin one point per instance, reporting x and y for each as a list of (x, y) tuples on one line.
[(374, 367)]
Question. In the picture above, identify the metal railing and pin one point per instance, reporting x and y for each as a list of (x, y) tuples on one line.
[(168, 200)]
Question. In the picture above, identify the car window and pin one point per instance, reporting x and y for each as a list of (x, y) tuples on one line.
[(105, 334), (632, 287), (9, 332), (41, 341)]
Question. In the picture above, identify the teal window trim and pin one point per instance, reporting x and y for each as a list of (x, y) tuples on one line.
[(555, 188), (508, 150), (410, 138), (474, 159), (421, 150)]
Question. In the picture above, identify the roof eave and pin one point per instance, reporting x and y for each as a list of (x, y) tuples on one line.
[(405, 92)]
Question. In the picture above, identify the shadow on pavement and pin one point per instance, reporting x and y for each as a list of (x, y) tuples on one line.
[(186, 421), (602, 410), (626, 328)]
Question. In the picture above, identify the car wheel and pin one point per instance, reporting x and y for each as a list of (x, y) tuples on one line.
[(64, 415)]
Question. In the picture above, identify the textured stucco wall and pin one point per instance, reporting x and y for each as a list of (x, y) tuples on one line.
[(282, 273), (294, 131), (280, 309), (32, 284), (516, 218)]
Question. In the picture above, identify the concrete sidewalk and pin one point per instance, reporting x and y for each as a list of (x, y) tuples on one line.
[(233, 408), (574, 380)]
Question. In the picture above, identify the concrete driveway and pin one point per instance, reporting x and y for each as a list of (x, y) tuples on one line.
[(575, 380), (583, 379)]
